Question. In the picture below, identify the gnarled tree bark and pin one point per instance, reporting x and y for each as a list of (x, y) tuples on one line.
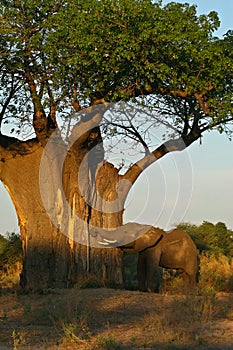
[(52, 258)]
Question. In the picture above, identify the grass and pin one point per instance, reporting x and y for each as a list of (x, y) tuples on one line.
[(182, 323), (18, 340), (106, 342), (104, 319), (107, 319)]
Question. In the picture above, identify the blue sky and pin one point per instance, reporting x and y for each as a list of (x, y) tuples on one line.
[(192, 186)]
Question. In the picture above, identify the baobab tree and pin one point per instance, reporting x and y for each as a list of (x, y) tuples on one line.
[(66, 68)]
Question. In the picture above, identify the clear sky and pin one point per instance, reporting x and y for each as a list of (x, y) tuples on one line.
[(192, 186)]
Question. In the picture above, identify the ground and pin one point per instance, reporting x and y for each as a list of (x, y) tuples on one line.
[(114, 319)]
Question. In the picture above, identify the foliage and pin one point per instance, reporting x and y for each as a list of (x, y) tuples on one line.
[(215, 273), (216, 239), (130, 270), (59, 56), (10, 257), (18, 340), (10, 248), (106, 343)]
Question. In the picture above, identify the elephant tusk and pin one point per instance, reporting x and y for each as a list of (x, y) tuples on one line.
[(110, 242), (103, 243)]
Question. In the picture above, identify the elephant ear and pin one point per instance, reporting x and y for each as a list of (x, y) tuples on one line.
[(147, 240)]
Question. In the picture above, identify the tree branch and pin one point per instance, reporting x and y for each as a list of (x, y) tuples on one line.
[(39, 117), (178, 144), (90, 119), (204, 105), (215, 124), (52, 122), (132, 133), (75, 103), (10, 147), (13, 89)]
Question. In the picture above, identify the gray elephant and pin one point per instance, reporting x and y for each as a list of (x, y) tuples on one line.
[(155, 247), (176, 250)]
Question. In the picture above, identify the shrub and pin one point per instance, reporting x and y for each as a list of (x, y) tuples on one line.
[(106, 343), (10, 258), (216, 273)]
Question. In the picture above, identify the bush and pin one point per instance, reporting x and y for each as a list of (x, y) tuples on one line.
[(10, 258), (216, 273)]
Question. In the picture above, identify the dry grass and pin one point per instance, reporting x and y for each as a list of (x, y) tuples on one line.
[(9, 276), (216, 273), (93, 319), (108, 319)]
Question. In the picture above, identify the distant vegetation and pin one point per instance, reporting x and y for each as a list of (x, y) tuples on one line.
[(214, 239), (214, 243), (10, 259)]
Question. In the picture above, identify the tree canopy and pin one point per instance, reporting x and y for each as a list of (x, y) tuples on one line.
[(58, 57)]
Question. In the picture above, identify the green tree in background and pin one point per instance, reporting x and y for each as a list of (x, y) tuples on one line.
[(208, 237), (10, 257), (58, 58), (224, 236)]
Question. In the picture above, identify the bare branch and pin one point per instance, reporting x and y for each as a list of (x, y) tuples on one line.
[(39, 117), (132, 133), (206, 126), (14, 87), (172, 145), (53, 107), (204, 105), (75, 103)]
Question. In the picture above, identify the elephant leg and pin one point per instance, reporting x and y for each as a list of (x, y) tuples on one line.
[(192, 280), (189, 280), (153, 276), (141, 271), (153, 279)]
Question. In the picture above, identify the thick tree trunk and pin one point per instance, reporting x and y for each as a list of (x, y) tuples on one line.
[(55, 253), (60, 194)]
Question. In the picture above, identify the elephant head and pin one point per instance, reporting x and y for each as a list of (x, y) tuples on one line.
[(131, 237)]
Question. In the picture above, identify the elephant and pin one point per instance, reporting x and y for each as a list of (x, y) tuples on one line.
[(157, 248), (176, 250)]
